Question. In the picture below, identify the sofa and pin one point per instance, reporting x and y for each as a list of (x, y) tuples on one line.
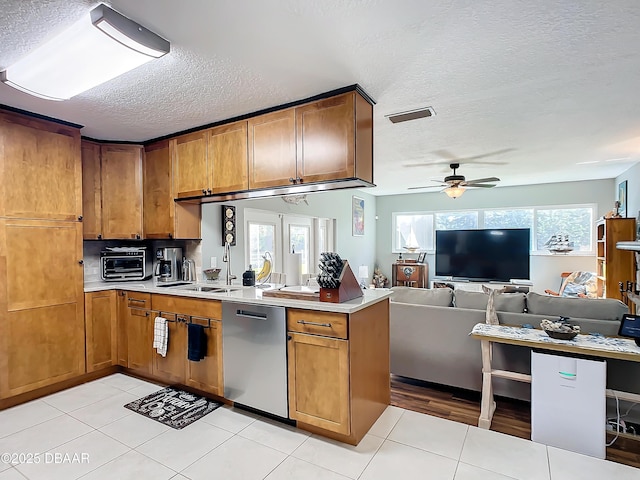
[(430, 335)]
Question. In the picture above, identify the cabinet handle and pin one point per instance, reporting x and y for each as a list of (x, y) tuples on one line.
[(209, 191), (81, 262), (181, 318), (171, 235), (204, 191), (121, 293), (99, 236), (138, 301), (298, 180), (289, 337), (292, 180), (79, 218), (315, 324), (137, 236)]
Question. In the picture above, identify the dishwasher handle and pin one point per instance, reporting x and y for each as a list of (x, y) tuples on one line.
[(250, 314)]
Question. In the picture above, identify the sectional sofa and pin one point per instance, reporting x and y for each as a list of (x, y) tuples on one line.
[(430, 335)]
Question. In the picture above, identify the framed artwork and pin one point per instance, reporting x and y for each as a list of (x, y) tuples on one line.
[(622, 199), (421, 257), (357, 216)]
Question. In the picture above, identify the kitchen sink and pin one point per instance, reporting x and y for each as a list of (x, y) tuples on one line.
[(207, 288)]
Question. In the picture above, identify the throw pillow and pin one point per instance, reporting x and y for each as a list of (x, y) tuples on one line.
[(438, 297)]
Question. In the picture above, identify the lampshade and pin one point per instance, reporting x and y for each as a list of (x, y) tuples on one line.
[(454, 191), (99, 47)]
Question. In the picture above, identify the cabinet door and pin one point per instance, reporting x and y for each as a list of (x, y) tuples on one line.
[(91, 192), (140, 339), (40, 169), (319, 382), (272, 149), (172, 367), (326, 139), (157, 199), (123, 318), (206, 375), (164, 218), (190, 170), (41, 304), (100, 316), (228, 158), (121, 191)]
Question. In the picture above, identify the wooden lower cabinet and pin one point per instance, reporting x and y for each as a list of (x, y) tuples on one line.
[(139, 327), (101, 340), (338, 377), (319, 381), (206, 374)]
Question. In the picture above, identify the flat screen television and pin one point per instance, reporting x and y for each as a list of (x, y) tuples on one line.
[(492, 254)]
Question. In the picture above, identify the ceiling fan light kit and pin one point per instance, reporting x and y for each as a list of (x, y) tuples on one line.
[(101, 46), (454, 191), (411, 115)]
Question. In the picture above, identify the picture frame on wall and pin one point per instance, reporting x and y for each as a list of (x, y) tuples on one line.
[(357, 216), (622, 199)]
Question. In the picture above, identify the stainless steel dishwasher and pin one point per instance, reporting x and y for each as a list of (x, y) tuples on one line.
[(254, 346)]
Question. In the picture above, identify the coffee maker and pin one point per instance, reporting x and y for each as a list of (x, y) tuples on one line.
[(169, 265)]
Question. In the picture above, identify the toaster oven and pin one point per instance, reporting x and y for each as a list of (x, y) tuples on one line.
[(124, 263)]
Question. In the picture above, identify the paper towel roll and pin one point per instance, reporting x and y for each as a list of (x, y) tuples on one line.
[(292, 268)]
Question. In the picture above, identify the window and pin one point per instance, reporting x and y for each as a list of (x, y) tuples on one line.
[(413, 230), (463, 220), (262, 238), (576, 221)]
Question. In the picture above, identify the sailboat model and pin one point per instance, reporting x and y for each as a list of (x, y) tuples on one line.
[(559, 244), (412, 242)]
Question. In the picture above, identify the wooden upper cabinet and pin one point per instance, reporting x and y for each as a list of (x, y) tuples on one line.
[(190, 168), (121, 191), (91, 191), (228, 162), (40, 169), (164, 218), (272, 149)]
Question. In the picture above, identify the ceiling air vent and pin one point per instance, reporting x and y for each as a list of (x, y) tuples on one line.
[(411, 115)]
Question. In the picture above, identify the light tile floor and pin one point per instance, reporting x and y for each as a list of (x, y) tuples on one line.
[(231, 444)]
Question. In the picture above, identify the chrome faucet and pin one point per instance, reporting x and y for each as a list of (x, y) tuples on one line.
[(227, 259)]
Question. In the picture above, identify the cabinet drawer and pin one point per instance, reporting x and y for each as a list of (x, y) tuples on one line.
[(138, 300), (190, 306), (328, 324)]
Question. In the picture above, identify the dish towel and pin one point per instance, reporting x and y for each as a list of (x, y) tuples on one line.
[(197, 341), (160, 335)]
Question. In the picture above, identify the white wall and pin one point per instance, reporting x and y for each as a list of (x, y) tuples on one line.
[(336, 204), (632, 176), (546, 269)]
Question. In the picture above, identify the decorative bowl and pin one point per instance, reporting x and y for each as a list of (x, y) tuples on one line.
[(561, 335), (211, 273)]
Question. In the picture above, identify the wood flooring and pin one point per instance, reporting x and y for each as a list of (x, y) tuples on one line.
[(512, 417)]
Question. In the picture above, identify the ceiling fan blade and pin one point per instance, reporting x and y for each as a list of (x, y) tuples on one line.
[(480, 185), (425, 187), (482, 180), (449, 156)]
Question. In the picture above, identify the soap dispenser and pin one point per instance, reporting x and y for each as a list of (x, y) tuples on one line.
[(249, 278)]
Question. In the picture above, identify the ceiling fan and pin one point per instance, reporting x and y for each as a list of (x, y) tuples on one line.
[(456, 184)]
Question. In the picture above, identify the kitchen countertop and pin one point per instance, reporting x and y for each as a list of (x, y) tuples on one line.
[(243, 294)]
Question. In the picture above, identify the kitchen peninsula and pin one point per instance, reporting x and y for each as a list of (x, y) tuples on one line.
[(336, 354)]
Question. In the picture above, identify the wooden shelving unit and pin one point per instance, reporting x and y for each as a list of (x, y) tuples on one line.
[(613, 265)]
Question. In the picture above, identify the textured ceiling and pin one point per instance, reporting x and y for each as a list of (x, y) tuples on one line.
[(532, 87)]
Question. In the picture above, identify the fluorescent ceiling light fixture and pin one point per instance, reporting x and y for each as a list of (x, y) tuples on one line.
[(102, 45), (617, 159), (590, 162), (454, 192)]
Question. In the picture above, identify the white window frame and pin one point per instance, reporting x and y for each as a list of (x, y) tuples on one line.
[(481, 222)]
